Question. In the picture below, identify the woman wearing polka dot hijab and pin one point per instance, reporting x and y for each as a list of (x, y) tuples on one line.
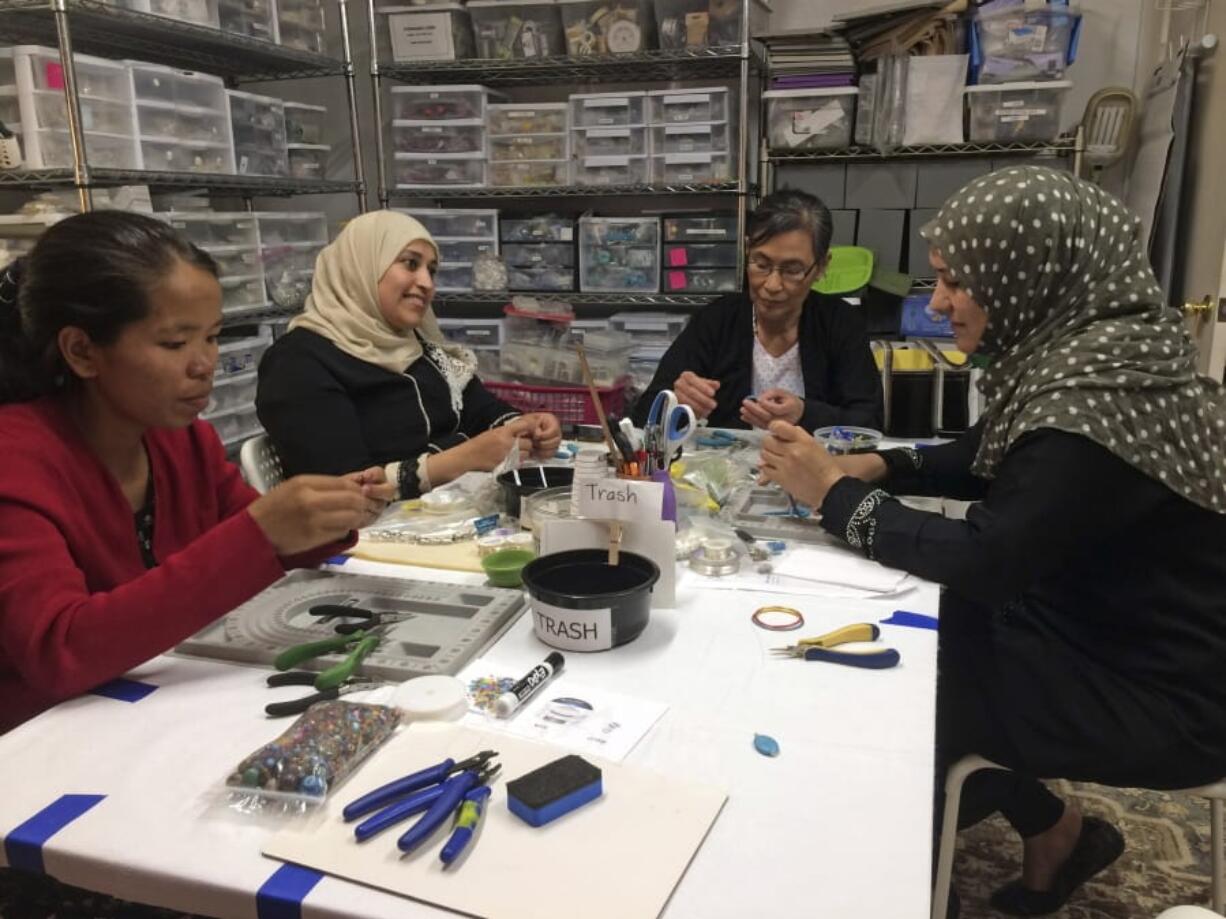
[(1083, 621)]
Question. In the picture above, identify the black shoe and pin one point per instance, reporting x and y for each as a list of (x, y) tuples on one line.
[(1097, 847)]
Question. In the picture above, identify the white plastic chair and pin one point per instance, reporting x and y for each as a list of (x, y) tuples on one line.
[(968, 765), (260, 463)]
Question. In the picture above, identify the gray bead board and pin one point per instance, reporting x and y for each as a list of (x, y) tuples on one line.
[(447, 624)]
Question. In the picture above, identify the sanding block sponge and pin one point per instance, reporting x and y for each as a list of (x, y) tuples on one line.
[(554, 789)]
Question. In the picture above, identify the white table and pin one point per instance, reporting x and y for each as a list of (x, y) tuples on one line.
[(838, 825)]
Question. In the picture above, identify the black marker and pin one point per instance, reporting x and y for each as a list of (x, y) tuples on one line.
[(537, 677)]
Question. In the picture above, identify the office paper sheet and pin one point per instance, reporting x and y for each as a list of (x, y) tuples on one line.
[(618, 857)]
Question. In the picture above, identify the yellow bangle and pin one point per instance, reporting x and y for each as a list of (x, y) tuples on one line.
[(796, 621)]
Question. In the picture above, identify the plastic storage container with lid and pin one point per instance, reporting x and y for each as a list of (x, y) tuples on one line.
[(304, 124), (514, 118), (611, 170), (504, 29), (695, 168), (438, 138), (301, 24), (711, 229), (683, 106), (691, 138), (608, 110), (430, 32), (697, 23), (1023, 44), (632, 140), (810, 119), (423, 170), (460, 102), (258, 123), (619, 253), (607, 26), (1007, 112)]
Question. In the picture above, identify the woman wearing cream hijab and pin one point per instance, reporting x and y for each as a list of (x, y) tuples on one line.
[(364, 376)]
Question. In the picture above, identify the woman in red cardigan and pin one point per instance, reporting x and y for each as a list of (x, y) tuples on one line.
[(123, 528)]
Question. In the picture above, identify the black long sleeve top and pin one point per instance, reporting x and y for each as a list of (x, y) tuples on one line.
[(842, 384), (1071, 543), (331, 413)]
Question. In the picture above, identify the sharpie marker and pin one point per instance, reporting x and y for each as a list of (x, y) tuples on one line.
[(537, 677)]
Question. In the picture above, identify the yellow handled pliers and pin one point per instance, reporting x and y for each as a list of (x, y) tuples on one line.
[(820, 648)]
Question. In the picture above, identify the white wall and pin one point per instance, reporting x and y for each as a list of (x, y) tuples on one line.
[(1110, 34)]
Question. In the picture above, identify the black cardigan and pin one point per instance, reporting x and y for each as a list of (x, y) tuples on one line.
[(1083, 582), (842, 384), (330, 413)]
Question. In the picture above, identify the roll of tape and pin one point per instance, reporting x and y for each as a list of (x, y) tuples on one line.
[(431, 698)]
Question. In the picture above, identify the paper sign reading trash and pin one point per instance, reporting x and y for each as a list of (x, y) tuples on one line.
[(620, 499), (573, 629)]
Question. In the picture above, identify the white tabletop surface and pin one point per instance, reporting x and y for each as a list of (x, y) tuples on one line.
[(839, 824)]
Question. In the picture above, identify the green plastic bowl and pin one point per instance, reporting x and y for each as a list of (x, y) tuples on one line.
[(849, 270), (504, 567)]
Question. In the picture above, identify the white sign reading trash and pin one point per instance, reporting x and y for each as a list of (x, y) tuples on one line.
[(620, 499)]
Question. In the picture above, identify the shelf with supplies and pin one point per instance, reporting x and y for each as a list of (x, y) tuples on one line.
[(721, 62), (273, 186), (621, 299), (107, 30), (567, 191), (1063, 146)]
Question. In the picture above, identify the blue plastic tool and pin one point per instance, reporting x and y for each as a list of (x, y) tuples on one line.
[(449, 798), (403, 809), (466, 823), (386, 794)]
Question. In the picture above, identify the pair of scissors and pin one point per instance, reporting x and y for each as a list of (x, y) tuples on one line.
[(669, 425), (821, 648)]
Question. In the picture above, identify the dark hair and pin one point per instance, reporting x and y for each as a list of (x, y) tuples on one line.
[(788, 210), (93, 271)]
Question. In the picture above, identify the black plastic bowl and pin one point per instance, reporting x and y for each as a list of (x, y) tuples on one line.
[(582, 579), (530, 482)]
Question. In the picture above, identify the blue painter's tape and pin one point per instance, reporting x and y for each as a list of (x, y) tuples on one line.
[(123, 690), (23, 847), (337, 560), (281, 896), (911, 620)]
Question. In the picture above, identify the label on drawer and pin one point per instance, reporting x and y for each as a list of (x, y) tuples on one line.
[(607, 102), (687, 99), (678, 258), (421, 37), (676, 280)]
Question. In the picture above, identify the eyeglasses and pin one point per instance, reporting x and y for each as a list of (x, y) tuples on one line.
[(789, 272)]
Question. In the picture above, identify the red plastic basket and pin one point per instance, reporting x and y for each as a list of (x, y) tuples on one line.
[(572, 404)]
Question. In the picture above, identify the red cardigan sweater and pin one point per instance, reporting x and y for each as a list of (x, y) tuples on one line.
[(77, 606)]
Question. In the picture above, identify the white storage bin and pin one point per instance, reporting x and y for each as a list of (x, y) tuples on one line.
[(505, 29), (441, 103), (415, 170), (280, 228), (52, 148), (539, 255), (208, 229), (187, 90), (189, 125), (39, 68), (529, 147), (305, 124), (810, 119), (183, 120), (550, 279), (301, 24), (691, 138), (528, 173), (308, 161), (258, 125), (545, 228), (608, 110), (611, 170), (517, 118), (692, 168), (701, 255), (699, 280), (454, 277), (97, 115), (241, 355), (472, 333), (237, 261), (628, 141), (232, 393), (698, 23), (430, 32), (438, 138), (607, 26), (459, 223), (452, 251), (649, 329), (185, 156), (619, 253), (239, 296), (688, 106), (253, 18), (700, 228), (1008, 112), (1024, 44)]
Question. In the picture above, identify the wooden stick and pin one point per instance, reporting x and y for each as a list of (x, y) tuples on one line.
[(604, 422), (615, 541)]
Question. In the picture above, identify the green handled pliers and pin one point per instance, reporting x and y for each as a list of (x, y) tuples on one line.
[(359, 644)]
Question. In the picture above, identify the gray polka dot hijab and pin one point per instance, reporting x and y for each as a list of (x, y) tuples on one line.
[(1079, 337)]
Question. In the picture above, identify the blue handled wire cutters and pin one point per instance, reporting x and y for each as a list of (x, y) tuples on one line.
[(439, 791)]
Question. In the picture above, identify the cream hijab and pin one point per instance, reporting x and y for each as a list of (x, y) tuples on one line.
[(343, 305)]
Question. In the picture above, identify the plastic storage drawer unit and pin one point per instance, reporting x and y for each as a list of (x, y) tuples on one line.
[(810, 119), (454, 277), (699, 280), (607, 26), (202, 12), (619, 253), (529, 173), (551, 279), (463, 251), (611, 170), (308, 161), (258, 123), (1007, 112), (692, 168), (253, 18), (687, 106), (531, 147), (472, 333), (241, 355), (710, 229), (304, 124), (431, 32), (691, 138), (460, 102), (700, 255), (418, 170), (438, 138), (538, 255), (543, 229), (514, 119), (628, 141), (505, 30), (608, 110), (649, 330), (301, 25), (462, 223)]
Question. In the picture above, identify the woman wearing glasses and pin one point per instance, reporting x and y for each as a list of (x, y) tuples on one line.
[(779, 350)]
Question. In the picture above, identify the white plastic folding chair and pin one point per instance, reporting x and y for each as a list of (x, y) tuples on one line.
[(260, 463)]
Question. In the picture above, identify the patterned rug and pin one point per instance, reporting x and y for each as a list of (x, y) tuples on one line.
[(1166, 862)]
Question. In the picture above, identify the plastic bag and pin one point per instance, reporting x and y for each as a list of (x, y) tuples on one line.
[(314, 754)]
